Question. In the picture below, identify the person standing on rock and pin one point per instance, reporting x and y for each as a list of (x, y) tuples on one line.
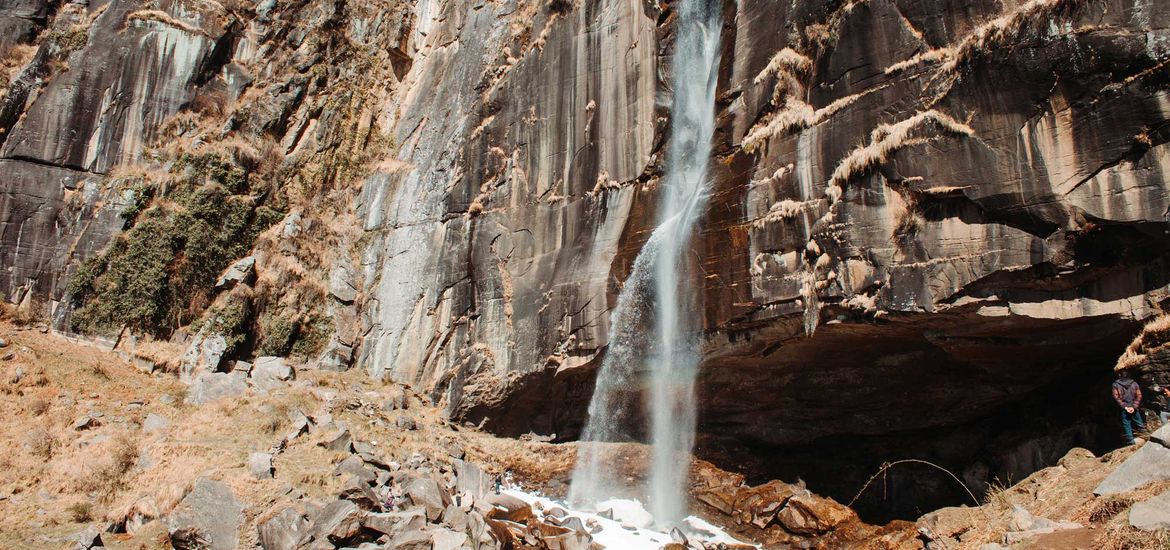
[(1128, 396)]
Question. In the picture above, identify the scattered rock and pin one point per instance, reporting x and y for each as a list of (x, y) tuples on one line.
[(283, 531), (210, 386), (404, 422), (1153, 514), (86, 422), (260, 465), (355, 466), (510, 508), (270, 373), (207, 518), (3, 343), (155, 423)]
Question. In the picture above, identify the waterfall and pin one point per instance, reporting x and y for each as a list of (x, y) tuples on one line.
[(654, 334)]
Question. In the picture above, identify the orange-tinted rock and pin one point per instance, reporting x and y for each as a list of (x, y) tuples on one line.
[(809, 514)]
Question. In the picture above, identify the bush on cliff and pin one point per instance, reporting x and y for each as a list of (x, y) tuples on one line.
[(160, 273)]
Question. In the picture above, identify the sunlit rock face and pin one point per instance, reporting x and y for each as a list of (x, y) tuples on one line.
[(965, 200), (103, 79)]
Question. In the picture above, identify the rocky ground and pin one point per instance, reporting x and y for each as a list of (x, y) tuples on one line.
[(95, 451)]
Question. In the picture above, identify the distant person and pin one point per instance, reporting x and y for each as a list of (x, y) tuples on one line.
[(1128, 396), (1161, 403)]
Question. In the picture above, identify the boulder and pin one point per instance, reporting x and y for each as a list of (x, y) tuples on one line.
[(260, 465), (341, 283), (240, 272), (86, 422), (155, 423), (337, 356), (447, 539), (404, 422), (417, 539), (358, 492), (203, 355), (428, 494), (337, 522), (355, 466), (809, 514), (341, 441), (397, 399), (209, 517), (1153, 514), (508, 507), (393, 523), (455, 518), (471, 479), (1151, 462), (211, 386), (270, 373), (283, 531), (87, 538)]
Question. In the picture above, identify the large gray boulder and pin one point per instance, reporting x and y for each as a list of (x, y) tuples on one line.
[(393, 523), (209, 517), (1149, 463), (203, 355), (283, 531), (1153, 514), (270, 373), (239, 272), (210, 386), (428, 494), (337, 522), (260, 465)]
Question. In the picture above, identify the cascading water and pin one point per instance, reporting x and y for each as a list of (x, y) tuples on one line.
[(654, 334)]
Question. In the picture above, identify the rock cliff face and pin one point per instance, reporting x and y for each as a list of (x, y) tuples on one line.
[(924, 212), (958, 197)]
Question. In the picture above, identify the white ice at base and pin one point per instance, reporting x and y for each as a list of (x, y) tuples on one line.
[(631, 512)]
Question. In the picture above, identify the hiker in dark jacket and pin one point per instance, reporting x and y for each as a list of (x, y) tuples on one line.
[(1128, 396)]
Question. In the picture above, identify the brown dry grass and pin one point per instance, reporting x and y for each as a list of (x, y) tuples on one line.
[(58, 478), (1063, 492), (1155, 336)]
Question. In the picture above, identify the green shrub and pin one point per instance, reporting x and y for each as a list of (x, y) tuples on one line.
[(276, 333), (313, 336), (160, 273)]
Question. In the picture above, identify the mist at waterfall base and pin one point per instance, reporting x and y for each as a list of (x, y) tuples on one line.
[(654, 333)]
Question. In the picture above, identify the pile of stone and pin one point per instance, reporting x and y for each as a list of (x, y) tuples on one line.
[(416, 505), (788, 515)]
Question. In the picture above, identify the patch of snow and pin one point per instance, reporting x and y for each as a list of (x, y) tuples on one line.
[(612, 535)]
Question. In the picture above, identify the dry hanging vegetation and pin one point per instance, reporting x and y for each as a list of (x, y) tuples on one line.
[(887, 139), (1154, 338)]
